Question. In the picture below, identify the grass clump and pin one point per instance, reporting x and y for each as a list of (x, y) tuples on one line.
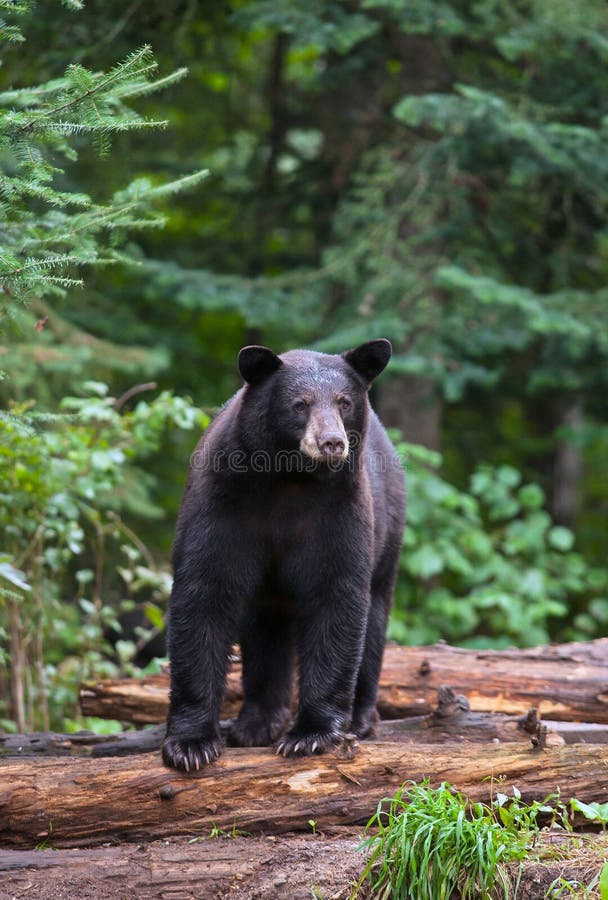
[(434, 844)]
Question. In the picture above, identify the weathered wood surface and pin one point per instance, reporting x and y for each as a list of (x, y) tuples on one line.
[(87, 801), (566, 682), (223, 867), (81, 743)]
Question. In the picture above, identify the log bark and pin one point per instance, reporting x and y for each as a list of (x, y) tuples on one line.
[(566, 682), (79, 802)]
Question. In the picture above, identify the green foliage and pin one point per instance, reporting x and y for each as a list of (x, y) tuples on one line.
[(65, 483), (603, 882), (216, 832), (434, 172), (433, 843), (486, 566), (69, 561), (594, 812)]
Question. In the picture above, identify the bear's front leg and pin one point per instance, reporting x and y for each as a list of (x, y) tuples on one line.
[(202, 625), (331, 633)]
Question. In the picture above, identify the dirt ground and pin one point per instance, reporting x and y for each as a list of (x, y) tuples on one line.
[(294, 867)]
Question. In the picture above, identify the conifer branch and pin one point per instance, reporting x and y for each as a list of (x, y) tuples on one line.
[(33, 264), (121, 71), (39, 121), (140, 89)]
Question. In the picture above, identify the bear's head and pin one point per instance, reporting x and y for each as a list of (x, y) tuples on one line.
[(315, 404)]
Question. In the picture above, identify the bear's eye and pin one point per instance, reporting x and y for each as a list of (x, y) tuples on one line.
[(344, 404), (300, 406)]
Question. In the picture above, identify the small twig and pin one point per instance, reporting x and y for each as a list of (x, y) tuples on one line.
[(348, 776), (135, 540), (136, 389)]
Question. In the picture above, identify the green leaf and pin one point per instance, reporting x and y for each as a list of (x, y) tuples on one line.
[(154, 615), (598, 608), (14, 576), (603, 884), (561, 538), (96, 387), (425, 562), (508, 476), (531, 496), (596, 812)]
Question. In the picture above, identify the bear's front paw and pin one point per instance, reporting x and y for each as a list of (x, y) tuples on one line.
[(189, 754), (258, 728), (297, 744), (364, 722)]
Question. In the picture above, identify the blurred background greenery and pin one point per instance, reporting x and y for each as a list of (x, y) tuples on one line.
[(325, 172)]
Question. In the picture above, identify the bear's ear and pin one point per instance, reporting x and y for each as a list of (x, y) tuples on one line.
[(369, 359), (256, 363)]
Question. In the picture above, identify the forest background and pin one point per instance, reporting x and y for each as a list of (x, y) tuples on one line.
[(299, 174)]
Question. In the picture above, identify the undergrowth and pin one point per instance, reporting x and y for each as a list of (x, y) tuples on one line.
[(435, 844)]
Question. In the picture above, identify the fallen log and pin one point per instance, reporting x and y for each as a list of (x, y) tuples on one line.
[(79, 802), (452, 719), (81, 743), (242, 868), (222, 866), (565, 682)]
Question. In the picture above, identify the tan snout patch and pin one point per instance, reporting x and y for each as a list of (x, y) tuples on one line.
[(309, 445)]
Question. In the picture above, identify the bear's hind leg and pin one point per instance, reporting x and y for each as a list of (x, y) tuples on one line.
[(365, 715), (268, 656)]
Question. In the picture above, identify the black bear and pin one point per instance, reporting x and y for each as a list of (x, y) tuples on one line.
[(288, 541)]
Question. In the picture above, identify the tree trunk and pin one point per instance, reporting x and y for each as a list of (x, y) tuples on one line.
[(567, 682), (79, 802), (412, 405), (567, 464)]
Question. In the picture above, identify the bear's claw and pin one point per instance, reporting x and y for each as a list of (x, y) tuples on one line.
[(189, 754), (308, 744)]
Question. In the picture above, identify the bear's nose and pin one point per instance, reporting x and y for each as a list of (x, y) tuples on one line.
[(332, 445)]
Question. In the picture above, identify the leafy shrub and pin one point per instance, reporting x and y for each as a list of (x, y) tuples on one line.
[(65, 482), (487, 566)]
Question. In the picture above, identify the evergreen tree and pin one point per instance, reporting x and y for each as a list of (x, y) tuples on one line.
[(67, 477), (49, 232)]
